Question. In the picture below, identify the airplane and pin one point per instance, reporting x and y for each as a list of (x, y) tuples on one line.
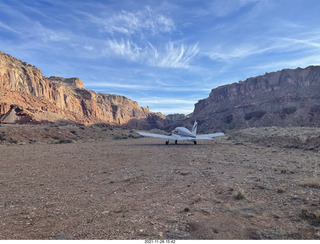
[(183, 134)]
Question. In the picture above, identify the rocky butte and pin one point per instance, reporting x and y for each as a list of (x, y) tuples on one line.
[(26, 96), (290, 97)]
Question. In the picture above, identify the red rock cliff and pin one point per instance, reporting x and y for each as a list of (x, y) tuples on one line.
[(290, 97), (57, 98)]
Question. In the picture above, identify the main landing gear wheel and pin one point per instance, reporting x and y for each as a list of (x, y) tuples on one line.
[(167, 142), (176, 142), (195, 142)]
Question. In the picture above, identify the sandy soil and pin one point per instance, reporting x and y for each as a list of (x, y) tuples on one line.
[(71, 182)]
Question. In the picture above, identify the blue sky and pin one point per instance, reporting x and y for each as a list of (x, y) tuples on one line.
[(165, 54)]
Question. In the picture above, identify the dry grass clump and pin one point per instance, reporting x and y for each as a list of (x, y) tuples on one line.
[(196, 199), (65, 141), (283, 170), (312, 182), (280, 189), (239, 194), (313, 216), (2, 137)]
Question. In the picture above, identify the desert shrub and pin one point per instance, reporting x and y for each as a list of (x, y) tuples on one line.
[(228, 119), (313, 216), (239, 194), (312, 182), (65, 141), (315, 109), (14, 141), (120, 137), (289, 110), (255, 114), (2, 137), (196, 199), (283, 170), (186, 210), (134, 136), (280, 189)]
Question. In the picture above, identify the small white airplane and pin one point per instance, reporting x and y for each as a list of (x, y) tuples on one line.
[(183, 134)]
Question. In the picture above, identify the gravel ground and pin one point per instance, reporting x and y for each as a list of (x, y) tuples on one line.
[(72, 182)]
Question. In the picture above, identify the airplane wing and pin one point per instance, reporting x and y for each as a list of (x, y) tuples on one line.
[(158, 136), (209, 136)]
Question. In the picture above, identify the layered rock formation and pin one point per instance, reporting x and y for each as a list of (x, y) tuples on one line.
[(28, 96), (290, 97)]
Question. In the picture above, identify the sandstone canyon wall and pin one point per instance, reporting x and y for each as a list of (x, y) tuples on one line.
[(28, 96), (290, 97)]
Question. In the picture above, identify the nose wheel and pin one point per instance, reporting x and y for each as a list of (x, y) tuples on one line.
[(167, 142), (195, 142)]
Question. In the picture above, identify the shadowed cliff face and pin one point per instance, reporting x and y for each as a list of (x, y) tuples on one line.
[(52, 99), (289, 97)]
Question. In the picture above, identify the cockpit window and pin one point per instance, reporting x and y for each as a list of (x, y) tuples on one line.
[(175, 131)]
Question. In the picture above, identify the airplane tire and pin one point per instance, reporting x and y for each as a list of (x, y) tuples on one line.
[(167, 142), (195, 142), (175, 142)]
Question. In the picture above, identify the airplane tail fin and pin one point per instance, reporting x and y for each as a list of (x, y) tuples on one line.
[(194, 128)]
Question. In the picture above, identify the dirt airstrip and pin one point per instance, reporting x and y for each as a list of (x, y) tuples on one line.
[(75, 182)]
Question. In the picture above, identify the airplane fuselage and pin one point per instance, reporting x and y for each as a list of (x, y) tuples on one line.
[(183, 132)]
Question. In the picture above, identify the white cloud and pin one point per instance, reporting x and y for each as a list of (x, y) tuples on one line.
[(129, 38), (126, 49), (165, 100), (129, 23), (170, 55), (220, 8), (47, 34), (174, 56), (314, 43), (226, 53), (103, 84), (291, 63), (280, 44), (119, 85), (8, 28)]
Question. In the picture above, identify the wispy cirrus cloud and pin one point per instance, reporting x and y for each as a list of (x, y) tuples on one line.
[(166, 100), (49, 34), (8, 28), (227, 53), (135, 36), (105, 84), (171, 55), (129, 23), (123, 48), (292, 63), (308, 42), (26, 27)]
